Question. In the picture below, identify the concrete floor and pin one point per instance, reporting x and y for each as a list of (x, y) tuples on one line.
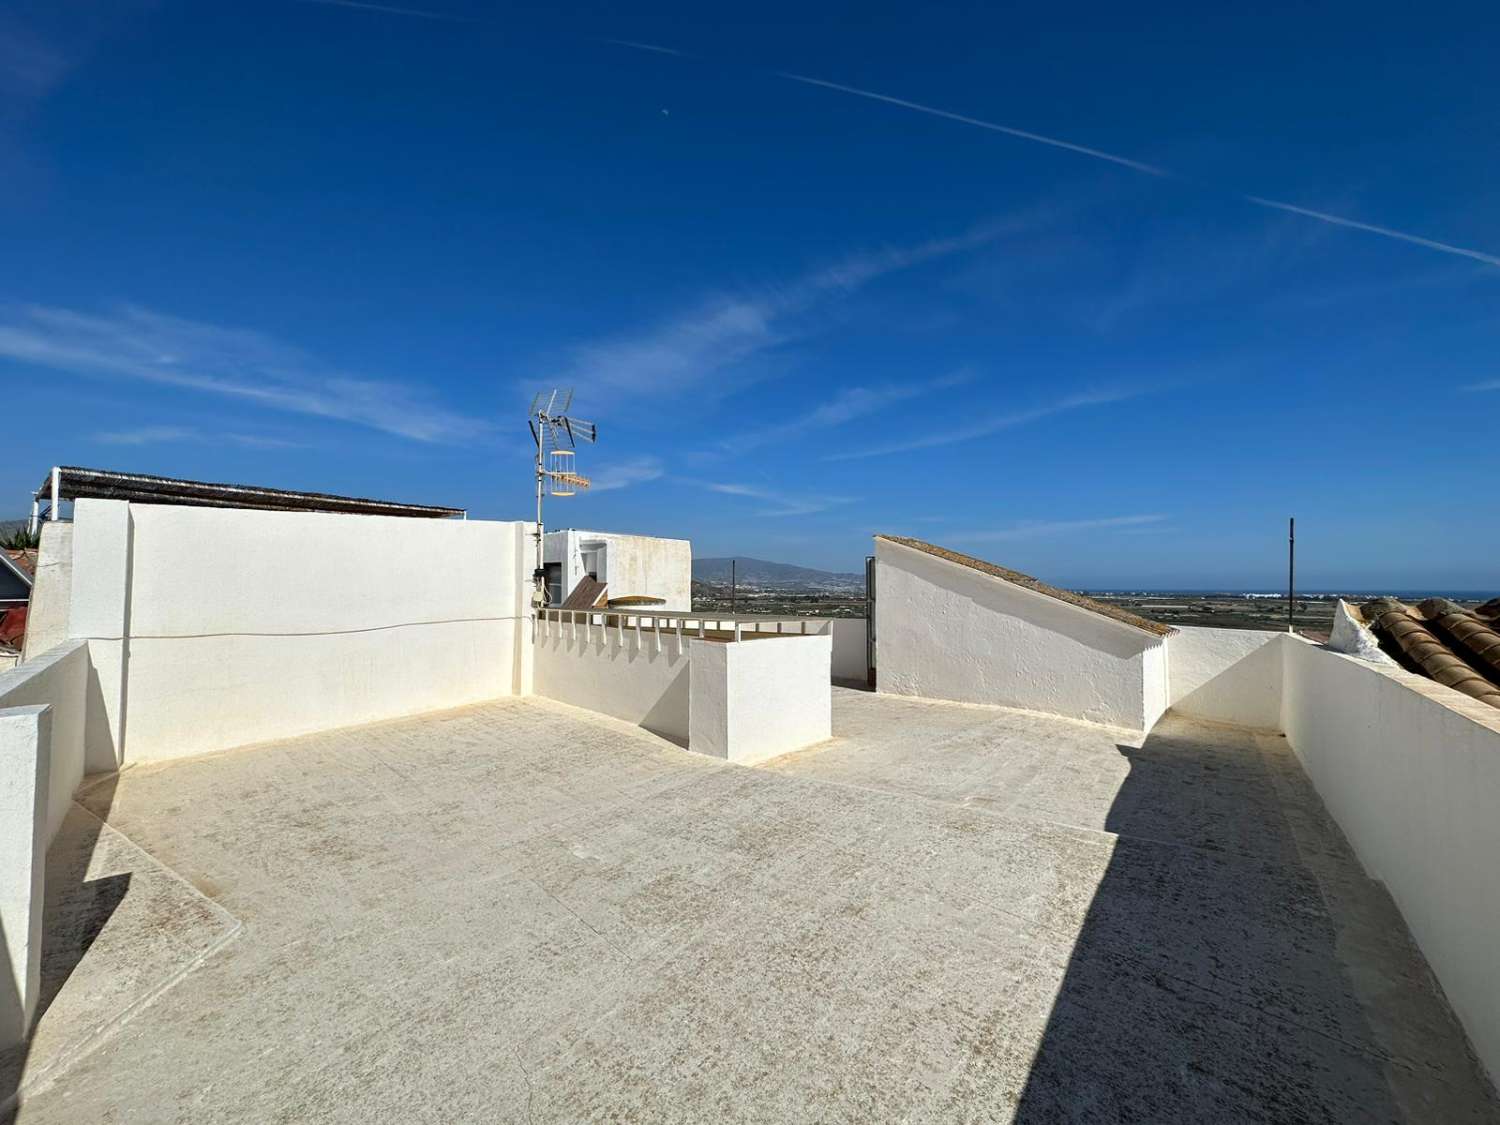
[(520, 911)]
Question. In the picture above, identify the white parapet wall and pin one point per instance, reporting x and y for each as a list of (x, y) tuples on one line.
[(25, 749), (850, 654), (57, 679), (947, 631), (213, 628), (1227, 675), (1411, 771), (691, 681), (639, 676), (759, 699), (42, 717)]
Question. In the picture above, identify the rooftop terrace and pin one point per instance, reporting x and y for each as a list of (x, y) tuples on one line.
[(522, 911)]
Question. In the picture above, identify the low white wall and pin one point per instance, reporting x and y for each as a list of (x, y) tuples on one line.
[(850, 661), (1411, 772), (643, 681), (24, 751), (1226, 675), (212, 628), (946, 631), (757, 700), (56, 679)]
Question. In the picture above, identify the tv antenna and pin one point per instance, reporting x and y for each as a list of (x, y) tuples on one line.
[(556, 434)]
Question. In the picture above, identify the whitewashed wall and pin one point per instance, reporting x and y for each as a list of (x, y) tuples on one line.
[(1227, 675), (41, 764), (643, 681), (850, 662), (56, 679), (946, 631), (211, 628), (1411, 772), (47, 618), (757, 700)]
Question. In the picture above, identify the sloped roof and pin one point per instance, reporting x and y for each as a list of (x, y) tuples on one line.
[(1441, 640), (588, 594), (1015, 577), (76, 483), (22, 561)]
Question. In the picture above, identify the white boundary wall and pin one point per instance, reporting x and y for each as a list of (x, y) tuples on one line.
[(1408, 768), (756, 700), (947, 631), (1411, 772), (41, 764), (850, 659), (1227, 675), (213, 628), (645, 682)]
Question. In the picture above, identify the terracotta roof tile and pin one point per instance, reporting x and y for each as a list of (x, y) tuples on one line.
[(1114, 613), (1442, 641)]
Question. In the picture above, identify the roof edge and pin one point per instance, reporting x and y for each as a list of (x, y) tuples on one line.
[(1035, 585)]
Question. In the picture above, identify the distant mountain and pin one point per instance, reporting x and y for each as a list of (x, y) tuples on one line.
[(774, 575)]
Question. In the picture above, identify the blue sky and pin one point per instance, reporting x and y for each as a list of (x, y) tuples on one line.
[(1092, 293)]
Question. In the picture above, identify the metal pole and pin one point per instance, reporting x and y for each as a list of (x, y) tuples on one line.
[(36, 509), (733, 585), (56, 491), (1291, 575), (539, 576)]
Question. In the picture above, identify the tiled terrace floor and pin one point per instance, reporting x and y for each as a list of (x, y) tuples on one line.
[(522, 912)]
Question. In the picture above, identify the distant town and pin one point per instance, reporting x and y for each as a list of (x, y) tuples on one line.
[(762, 587)]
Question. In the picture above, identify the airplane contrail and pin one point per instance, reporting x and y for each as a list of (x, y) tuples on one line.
[(1097, 154), (391, 10), (992, 126), (1400, 236), (1148, 169)]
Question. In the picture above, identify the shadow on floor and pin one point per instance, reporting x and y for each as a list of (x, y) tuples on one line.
[(76, 911), (1223, 967)]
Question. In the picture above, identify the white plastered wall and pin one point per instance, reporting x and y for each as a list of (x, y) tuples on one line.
[(850, 656), (1227, 675), (212, 628), (947, 631), (1411, 770), (642, 680), (757, 700)]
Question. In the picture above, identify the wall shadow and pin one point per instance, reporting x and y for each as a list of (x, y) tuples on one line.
[(1223, 967), (75, 911)]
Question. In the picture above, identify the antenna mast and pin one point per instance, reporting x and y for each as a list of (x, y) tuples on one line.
[(556, 434)]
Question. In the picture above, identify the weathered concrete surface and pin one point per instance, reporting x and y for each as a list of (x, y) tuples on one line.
[(522, 912)]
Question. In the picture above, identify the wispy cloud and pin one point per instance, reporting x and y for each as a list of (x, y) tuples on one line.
[(136, 343), (846, 405), (623, 474), (167, 435), (1484, 385), (727, 330), (781, 504), (993, 424), (1044, 528)]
